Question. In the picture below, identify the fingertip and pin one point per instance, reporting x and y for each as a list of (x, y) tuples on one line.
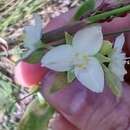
[(60, 123), (26, 74)]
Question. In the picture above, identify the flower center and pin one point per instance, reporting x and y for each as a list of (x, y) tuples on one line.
[(81, 60)]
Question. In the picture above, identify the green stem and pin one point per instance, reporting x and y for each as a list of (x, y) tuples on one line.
[(30, 94), (107, 14)]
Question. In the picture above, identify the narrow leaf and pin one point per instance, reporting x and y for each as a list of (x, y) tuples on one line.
[(88, 5), (113, 82), (36, 116), (59, 83), (7, 99), (106, 48), (70, 76), (35, 57), (68, 38), (40, 98), (102, 59)]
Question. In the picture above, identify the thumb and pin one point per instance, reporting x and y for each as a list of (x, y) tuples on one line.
[(87, 110), (60, 123)]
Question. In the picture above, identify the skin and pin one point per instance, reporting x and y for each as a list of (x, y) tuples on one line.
[(60, 123), (86, 110), (28, 75), (81, 109)]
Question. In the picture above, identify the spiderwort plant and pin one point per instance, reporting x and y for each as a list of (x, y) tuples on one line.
[(33, 35), (117, 63), (80, 56), (84, 57), (114, 68), (24, 71)]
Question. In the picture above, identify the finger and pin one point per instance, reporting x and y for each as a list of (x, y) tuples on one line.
[(27, 74), (87, 110), (26, 77), (117, 25), (60, 123)]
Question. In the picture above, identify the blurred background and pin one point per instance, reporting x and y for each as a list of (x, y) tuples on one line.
[(14, 15)]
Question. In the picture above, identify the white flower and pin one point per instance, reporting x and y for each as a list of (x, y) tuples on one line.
[(117, 64), (80, 56)]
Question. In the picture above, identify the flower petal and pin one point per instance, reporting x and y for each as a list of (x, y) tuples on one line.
[(119, 71), (92, 76), (89, 40), (59, 58), (117, 64), (33, 33), (119, 42)]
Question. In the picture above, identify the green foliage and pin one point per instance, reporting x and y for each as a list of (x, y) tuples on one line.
[(59, 83), (35, 57), (102, 59), (68, 38), (16, 51), (107, 14), (12, 11), (70, 76), (87, 6), (106, 48), (40, 98), (8, 91), (36, 116)]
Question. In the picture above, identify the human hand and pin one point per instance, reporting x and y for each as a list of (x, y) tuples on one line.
[(78, 106)]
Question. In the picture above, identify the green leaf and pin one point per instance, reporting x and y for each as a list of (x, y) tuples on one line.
[(36, 116), (35, 57), (70, 76), (88, 5), (106, 48), (113, 82), (40, 98), (102, 59), (59, 83), (104, 15), (68, 38), (7, 99), (5, 88)]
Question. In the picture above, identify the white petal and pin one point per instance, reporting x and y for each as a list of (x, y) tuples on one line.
[(89, 39), (92, 76), (119, 42), (59, 58), (118, 69), (119, 72), (117, 65), (33, 33)]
